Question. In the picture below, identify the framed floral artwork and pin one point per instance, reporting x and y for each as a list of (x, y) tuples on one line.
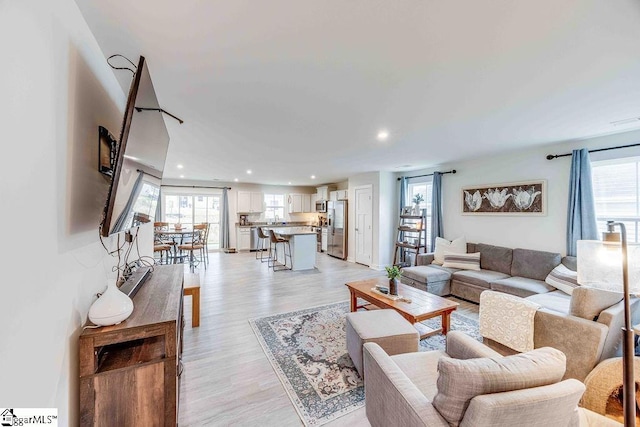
[(515, 198)]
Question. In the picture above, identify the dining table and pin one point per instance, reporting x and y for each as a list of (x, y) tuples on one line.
[(177, 236)]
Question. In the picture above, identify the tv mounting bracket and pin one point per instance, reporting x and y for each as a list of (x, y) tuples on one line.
[(138, 109)]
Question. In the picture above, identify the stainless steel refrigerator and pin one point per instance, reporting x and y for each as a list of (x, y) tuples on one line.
[(337, 229)]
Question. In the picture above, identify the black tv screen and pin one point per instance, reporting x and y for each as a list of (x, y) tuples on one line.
[(141, 154)]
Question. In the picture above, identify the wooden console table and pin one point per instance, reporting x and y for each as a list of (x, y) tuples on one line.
[(130, 373)]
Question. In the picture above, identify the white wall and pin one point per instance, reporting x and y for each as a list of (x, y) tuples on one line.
[(388, 212), (542, 233), (56, 90), (384, 196)]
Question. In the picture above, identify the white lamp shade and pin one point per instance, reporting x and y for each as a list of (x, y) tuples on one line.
[(111, 308), (600, 265)]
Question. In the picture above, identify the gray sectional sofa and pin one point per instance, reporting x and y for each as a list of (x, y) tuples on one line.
[(518, 272), (579, 325)]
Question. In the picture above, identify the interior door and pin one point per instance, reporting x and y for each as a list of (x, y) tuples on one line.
[(363, 227)]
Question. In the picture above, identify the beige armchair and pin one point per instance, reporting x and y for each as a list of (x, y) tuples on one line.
[(585, 326), (439, 389)]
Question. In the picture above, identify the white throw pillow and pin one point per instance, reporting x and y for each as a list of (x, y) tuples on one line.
[(457, 246), (563, 279), (462, 261)]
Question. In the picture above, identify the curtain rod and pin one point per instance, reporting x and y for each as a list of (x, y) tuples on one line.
[(197, 186), (147, 173), (429, 174), (555, 156)]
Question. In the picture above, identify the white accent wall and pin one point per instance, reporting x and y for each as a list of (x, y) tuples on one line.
[(56, 90)]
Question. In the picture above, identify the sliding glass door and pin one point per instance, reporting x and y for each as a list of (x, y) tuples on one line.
[(189, 209)]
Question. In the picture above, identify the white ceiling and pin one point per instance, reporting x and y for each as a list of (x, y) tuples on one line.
[(291, 88)]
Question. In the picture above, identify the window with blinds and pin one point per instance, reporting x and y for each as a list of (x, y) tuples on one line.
[(616, 188), (424, 188)]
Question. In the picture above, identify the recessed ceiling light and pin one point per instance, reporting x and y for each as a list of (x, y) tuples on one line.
[(383, 135), (180, 166), (313, 177), (235, 179), (248, 171), (289, 182), (181, 176)]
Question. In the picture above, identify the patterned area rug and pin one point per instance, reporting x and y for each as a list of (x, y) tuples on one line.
[(308, 351)]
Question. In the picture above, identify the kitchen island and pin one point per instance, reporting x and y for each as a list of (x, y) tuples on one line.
[(303, 246)]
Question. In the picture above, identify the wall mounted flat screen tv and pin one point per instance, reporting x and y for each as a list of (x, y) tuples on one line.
[(139, 161)]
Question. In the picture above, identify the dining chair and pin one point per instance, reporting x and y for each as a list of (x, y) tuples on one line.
[(206, 240), (274, 241), (160, 238), (196, 244), (161, 248)]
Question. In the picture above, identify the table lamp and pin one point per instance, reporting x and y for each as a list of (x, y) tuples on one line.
[(612, 264)]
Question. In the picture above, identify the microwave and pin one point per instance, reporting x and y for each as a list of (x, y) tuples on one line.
[(321, 206)]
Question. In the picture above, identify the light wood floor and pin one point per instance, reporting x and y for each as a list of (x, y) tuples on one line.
[(227, 379)]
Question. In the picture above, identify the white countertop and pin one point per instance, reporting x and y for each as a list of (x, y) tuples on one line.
[(291, 231)]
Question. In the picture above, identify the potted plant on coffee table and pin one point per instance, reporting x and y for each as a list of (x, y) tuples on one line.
[(393, 273)]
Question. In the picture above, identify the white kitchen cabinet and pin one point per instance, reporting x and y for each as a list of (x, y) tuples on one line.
[(300, 203), (325, 241), (295, 203), (338, 195), (313, 199), (250, 202), (257, 202), (244, 201), (243, 238), (323, 192), (306, 203)]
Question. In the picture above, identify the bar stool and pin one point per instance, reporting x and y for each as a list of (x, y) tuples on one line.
[(274, 241), (261, 248)]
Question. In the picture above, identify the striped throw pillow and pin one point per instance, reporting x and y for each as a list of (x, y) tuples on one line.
[(563, 279), (462, 261)]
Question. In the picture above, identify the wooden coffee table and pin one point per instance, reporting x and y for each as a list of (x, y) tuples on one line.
[(423, 305)]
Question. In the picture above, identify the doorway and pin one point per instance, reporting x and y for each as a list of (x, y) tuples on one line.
[(189, 209), (363, 227)]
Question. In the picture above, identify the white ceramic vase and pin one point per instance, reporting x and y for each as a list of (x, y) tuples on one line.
[(111, 308)]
